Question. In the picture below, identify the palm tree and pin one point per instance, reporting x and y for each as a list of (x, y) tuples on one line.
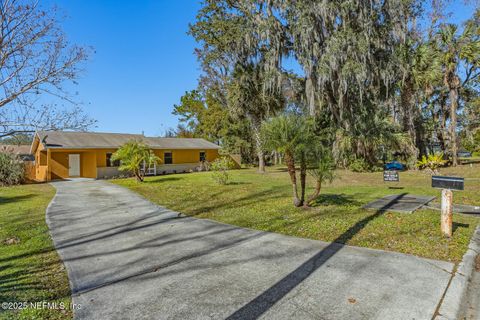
[(322, 166), (287, 134), (133, 156), (453, 49), (247, 97), (423, 74)]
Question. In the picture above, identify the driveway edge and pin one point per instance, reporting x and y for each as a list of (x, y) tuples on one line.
[(68, 270), (454, 298)]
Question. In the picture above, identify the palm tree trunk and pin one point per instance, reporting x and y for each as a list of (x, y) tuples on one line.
[(303, 177), (138, 175), (261, 161), (256, 123), (293, 177), (453, 123), (453, 82), (316, 193), (408, 106)]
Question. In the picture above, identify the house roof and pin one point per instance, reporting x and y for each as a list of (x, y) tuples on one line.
[(180, 143), (101, 140)]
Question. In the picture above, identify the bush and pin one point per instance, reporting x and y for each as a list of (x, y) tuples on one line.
[(432, 162), (359, 165), (135, 156), (220, 169), (12, 170)]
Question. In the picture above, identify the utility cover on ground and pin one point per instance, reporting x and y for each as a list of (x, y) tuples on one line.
[(459, 208), (403, 203)]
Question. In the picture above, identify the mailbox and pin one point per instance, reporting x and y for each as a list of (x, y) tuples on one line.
[(452, 183)]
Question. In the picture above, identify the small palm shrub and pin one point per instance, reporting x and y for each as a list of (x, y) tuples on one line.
[(322, 170), (220, 168), (12, 170), (133, 155), (431, 163)]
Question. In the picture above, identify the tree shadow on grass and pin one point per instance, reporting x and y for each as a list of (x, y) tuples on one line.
[(235, 183), (251, 198), (5, 200), (334, 199), (263, 302), (156, 179)]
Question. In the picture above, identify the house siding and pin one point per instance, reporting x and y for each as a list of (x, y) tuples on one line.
[(182, 156)]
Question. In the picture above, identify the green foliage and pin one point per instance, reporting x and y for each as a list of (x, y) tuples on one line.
[(381, 82), (133, 155), (202, 116), (17, 139), (220, 168), (359, 165), (190, 108), (432, 162), (292, 135), (12, 170), (321, 168), (242, 60), (287, 133), (470, 135), (374, 136), (472, 143)]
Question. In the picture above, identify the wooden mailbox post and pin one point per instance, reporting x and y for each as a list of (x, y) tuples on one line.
[(447, 184)]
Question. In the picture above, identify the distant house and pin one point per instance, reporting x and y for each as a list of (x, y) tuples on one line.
[(22, 151), (62, 154)]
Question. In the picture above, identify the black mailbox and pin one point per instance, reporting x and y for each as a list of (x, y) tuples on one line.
[(453, 183)]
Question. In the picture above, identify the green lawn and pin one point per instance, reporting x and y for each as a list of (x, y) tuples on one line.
[(30, 270), (263, 201)]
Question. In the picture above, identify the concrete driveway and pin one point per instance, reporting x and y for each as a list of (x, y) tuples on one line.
[(129, 259)]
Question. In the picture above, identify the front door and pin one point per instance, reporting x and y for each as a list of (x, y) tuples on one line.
[(74, 165)]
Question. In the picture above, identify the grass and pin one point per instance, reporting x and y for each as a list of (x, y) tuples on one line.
[(263, 202), (30, 270)]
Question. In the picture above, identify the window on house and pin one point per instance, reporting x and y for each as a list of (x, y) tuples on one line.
[(203, 156), (167, 157), (110, 162)]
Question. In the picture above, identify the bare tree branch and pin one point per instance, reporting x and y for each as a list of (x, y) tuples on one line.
[(36, 60)]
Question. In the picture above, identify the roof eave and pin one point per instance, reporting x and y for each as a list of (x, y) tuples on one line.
[(33, 141)]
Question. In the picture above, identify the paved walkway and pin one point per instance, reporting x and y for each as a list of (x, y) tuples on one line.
[(129, 259)]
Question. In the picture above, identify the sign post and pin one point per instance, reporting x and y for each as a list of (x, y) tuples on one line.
[(447, 212), (447, 184)]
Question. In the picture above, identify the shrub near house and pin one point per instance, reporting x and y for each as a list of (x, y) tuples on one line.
[(12, 169), (220, 169), (134, 156)]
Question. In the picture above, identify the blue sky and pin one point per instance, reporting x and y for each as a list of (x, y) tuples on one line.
[(143, 60)]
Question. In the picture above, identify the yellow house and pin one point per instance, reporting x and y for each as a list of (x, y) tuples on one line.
[(66, 154)]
